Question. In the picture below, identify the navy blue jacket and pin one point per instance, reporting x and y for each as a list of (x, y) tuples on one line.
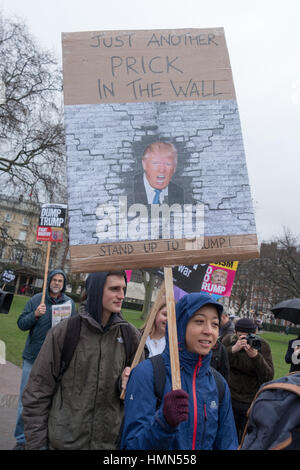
[(208, 427), (39, 326)]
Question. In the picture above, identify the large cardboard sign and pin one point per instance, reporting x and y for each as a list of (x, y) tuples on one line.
[(156, 166)]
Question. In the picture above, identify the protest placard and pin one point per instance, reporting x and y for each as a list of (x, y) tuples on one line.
[(214, 278), (61, 312), (139, 99), (7, 276), (50, 229), (219, 277), (51, 222)]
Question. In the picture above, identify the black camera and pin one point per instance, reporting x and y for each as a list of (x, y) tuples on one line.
[(253, 341)]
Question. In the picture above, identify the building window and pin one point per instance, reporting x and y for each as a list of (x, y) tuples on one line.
[(36, 256), (17, 254), (22, 235), (25, 221), (8, 217)]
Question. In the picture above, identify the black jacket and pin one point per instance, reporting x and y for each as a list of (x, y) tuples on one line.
[(227, 329), (220, 360)]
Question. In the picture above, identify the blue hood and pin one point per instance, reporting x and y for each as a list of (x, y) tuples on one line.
[(185, 309)]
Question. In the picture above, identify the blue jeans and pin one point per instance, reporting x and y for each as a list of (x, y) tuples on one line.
[(19, 431)]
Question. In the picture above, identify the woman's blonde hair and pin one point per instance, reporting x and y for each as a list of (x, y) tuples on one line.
[(161, 305)]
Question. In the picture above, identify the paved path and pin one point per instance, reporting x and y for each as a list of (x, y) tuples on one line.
[(7, 427), (10, 378)]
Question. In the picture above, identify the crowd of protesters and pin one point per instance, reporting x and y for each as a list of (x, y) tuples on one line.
[(74, 373)]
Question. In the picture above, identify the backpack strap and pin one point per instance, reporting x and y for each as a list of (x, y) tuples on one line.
[(159, 373), (131, 338), (220, 384), (273, 386), (70, 342), (127, 337), (283, 386)]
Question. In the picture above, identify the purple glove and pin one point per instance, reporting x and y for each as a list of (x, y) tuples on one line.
[(176, 407)]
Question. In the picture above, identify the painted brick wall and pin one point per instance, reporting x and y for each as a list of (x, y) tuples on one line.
[(104, 148)]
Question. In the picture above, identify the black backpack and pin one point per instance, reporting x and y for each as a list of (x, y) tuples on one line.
[(72, 338), (274, 416)]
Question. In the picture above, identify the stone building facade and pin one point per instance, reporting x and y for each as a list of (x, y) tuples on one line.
[(19, 249)]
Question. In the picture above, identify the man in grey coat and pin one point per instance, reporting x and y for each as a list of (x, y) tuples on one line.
[(37, 318)]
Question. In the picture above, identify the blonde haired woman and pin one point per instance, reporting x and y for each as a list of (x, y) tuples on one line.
[(156, 341)]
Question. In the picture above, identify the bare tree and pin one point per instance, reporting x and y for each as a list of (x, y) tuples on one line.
[(282, 265), (149, 279), (32, 158), (261, 283)]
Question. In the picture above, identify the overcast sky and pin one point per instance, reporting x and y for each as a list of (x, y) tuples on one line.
[(263, 39)]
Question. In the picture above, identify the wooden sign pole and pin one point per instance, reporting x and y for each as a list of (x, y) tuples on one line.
[(46, 272), (147, 330), (172, 329)]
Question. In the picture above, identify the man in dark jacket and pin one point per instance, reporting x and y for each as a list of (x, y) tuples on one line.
[(249, 369), (37, 318), (219, 359), (82, 410)]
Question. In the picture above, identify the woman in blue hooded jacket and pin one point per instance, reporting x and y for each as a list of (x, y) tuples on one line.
[(191, 418)]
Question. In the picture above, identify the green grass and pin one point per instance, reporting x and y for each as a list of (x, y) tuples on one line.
[(14, 338), (10, 333), (133, 316)]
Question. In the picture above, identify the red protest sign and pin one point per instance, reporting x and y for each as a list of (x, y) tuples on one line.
[(49, 234)]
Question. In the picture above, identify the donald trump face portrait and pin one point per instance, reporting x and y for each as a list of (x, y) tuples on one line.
[(159, 163), (154, 185)]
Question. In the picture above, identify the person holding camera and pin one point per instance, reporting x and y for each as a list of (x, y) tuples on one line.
[(251, 365)]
